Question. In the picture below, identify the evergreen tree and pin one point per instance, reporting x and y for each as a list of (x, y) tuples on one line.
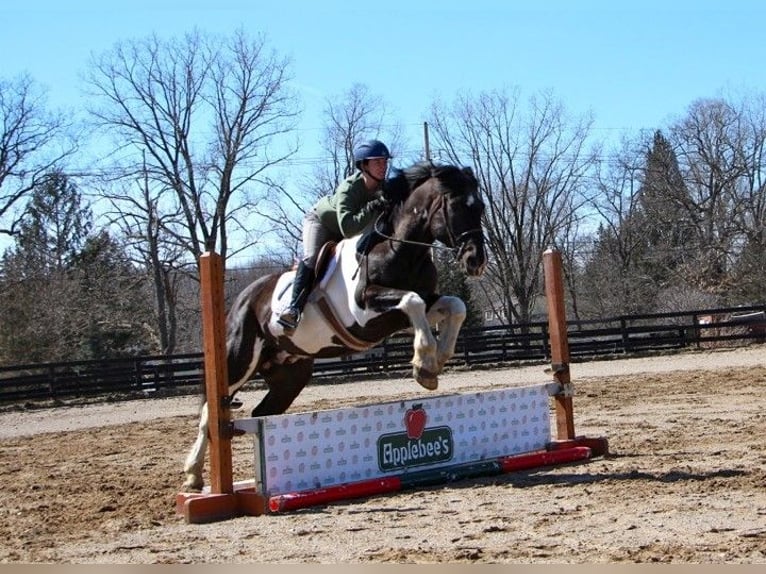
[(114, 305), (643, 250), (56, 224), (749, 270), (37, 287), (66, 294), (611, 277), (667, 234)]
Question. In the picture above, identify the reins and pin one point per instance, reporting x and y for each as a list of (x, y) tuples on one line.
[(409, 241)]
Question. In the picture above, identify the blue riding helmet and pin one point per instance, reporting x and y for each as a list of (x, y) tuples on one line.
[(372, 149)]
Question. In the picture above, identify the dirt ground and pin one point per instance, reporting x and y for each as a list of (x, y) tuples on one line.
[(685, 480)]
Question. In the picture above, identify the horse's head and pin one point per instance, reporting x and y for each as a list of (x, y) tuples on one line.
[(456, 213)]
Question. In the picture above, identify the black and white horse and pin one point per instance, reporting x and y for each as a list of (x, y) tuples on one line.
[(368, 288)]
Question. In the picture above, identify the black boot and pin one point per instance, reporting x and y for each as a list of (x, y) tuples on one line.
[(290, 317)]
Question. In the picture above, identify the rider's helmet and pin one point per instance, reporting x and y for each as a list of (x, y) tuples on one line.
[(372, 149)]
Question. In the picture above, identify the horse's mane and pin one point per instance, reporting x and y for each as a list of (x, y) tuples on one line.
[(451, 177)]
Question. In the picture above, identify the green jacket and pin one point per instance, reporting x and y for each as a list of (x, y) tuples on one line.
[(346, 212)]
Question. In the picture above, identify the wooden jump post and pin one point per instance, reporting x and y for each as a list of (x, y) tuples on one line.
[(557, 327), (559, 341), (222, 501)]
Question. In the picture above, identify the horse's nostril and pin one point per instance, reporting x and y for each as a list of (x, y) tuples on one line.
[(472, 265), (474, 262)]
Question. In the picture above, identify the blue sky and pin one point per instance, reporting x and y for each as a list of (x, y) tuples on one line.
[(634, 65)]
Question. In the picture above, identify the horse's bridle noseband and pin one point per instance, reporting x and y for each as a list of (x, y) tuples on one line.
[(459, 242)]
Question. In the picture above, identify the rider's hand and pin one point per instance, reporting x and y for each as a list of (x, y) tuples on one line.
[(378, 204)]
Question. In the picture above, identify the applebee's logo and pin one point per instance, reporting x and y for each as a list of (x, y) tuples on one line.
[(415, 421), (417, 445)]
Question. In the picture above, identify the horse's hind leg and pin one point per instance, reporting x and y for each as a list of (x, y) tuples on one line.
[(243, 353), (285, 382), (196, 457)]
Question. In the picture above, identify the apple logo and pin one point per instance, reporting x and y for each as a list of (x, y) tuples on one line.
[(415, 421)]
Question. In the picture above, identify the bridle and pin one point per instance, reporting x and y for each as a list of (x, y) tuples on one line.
[(458, 243)]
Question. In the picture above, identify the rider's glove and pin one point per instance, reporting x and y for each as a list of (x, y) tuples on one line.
[(378, 204)]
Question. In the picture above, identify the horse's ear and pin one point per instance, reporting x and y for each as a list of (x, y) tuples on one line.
[(468, 172)]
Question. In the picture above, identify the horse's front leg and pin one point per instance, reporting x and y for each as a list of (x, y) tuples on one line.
[(448, 313), (425, 363)]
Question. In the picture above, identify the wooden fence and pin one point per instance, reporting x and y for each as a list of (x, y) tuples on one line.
[(507, 345)]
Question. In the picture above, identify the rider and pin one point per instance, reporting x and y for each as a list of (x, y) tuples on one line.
[(356, 203)]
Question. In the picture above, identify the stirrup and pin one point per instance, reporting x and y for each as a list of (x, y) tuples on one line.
[(289, 319)]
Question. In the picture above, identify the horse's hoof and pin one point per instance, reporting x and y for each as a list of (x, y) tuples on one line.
[(192, 485), (430, 384), (426, 379)]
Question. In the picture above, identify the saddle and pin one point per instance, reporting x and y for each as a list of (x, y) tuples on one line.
[(326, 253), (325, 264)]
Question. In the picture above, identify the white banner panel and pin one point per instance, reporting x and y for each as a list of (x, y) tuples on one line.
[(305, 451)]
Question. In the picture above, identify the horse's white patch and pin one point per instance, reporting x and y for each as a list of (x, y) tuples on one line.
[(314, 332), (413, 305), (446, 307)]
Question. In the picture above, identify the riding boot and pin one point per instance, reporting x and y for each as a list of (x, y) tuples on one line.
[(290, 317)]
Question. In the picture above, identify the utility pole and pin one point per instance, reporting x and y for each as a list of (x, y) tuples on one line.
[(427, 145)]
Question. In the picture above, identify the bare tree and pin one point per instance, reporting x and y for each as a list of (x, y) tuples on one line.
[(135, 213), (715, 151), (208, 113), (572, 240), (709, 147), (532, 165), (350, 118), (750, 213), (33, 142)]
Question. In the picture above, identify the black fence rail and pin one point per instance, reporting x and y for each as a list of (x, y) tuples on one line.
[(114, 379), (153, 376)]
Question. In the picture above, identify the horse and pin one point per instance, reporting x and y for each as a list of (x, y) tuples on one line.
[(372, 286)]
